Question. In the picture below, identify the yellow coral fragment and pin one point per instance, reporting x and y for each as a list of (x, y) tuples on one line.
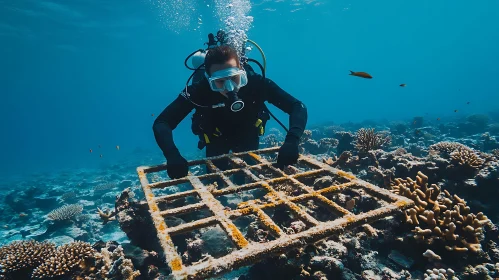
[(176, 264)]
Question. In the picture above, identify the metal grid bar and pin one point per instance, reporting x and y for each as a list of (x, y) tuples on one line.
[(250, 252)]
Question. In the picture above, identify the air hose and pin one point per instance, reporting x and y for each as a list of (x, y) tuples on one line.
[(264, 68)]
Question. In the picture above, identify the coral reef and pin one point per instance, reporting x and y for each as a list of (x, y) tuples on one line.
[(65, 260), (19, 258), (439, 216), (449, 234), (76, 260), (65, 212), (367, 140), (439, 274)]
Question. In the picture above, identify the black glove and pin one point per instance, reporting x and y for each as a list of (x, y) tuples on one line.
[(288, 153), (176, 165)]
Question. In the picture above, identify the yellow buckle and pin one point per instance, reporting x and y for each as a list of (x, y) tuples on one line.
[(258, 122)]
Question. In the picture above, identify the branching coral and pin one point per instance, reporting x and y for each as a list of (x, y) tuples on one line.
[(445, 147), (65, 212), (105, 186), (367, 139), (114, 264), (20, 255), (76, 260), (67, 257), (466, 157), (439, 216), (463, 158)]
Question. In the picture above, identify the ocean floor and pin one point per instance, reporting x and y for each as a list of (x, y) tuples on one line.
[(93, 224)]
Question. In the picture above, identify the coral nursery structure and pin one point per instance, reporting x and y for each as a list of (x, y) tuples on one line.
[(316, 181)]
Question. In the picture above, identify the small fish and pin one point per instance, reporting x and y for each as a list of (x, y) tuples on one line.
[(438, 119), (455, 111), (90, 150), (100, 155), (99, 146), (117, 147), (402, 85), (360, 74), (23, 215), (417, 131), (152, 115), (468, 103)]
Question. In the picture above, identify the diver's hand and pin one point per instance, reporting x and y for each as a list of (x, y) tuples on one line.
[(176, 166), (288, 153)]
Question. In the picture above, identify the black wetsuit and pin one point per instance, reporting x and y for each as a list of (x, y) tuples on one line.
[(238, 131)]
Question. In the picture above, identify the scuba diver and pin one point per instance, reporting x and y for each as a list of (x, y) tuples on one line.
[(230, 113)]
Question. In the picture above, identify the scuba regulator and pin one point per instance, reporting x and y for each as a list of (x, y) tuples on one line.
[(197, 61)]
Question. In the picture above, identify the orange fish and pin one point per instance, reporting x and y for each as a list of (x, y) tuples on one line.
[(361, 74), (402, 85)]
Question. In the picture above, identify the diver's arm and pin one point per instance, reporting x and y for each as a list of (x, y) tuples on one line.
[(290, 105), (167, 121)]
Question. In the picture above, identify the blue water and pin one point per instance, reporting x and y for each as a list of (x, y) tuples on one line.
[(78, 74)]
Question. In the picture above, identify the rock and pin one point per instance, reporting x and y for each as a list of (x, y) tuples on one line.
[(76, 233), (370, 275), (216, 241), (335, 249), (400, 259), (61, 240)]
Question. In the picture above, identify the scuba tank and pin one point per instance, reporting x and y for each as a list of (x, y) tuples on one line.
[(197, 60)]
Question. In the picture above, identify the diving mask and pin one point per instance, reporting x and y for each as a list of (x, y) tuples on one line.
[(230, 79)]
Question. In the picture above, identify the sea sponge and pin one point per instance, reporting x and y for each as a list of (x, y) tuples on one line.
[(65, 212), (67, 258), (26, 254), (440, 216), (366, 140)]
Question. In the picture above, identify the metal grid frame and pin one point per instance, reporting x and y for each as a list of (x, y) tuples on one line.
[(246, 252)]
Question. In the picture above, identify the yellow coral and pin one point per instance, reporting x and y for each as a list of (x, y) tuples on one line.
[(440, 215), (465, 156)]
